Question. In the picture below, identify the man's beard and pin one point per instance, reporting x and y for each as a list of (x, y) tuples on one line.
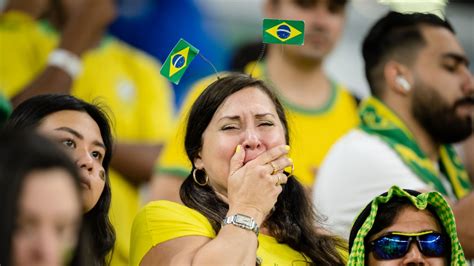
[(438, 118)]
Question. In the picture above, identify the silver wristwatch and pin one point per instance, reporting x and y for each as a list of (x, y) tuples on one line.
[(242, 221)]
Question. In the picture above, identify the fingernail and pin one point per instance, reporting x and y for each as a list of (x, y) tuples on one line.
[(237, 149), (291, 160), (287, 147)]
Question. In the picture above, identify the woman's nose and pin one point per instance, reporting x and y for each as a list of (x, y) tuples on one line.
[(84, 160), (251, 140)]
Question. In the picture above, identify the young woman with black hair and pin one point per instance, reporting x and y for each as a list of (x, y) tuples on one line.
[(84, 131)]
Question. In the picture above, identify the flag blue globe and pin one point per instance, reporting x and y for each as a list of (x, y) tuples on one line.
[(178, 61), (283, 31)]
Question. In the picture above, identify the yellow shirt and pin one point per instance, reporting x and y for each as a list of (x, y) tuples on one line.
[(312, 132), (124, 80), (160, 221)]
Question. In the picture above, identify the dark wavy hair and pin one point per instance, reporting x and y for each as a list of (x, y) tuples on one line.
[(293, 221), (98, 230), (22, 153)]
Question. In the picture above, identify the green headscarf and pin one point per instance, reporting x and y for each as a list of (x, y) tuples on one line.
[(421, 202)]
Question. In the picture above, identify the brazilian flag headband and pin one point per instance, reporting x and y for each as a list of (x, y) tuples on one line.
[(421, 202)]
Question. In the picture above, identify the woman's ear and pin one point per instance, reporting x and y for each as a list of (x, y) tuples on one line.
[(198, 163)]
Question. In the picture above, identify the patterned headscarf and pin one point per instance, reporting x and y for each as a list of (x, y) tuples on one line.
[(366, 219)]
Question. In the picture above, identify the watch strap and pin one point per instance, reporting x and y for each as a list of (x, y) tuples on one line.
[(242, 221)]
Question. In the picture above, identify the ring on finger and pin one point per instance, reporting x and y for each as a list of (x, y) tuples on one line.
[(278, 181), (275, 169)]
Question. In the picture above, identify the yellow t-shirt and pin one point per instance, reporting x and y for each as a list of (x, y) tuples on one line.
[(160, 221), (124, 80), (312, 132)]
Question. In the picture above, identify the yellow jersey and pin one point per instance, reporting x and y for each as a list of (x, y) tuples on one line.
[(160, 221)]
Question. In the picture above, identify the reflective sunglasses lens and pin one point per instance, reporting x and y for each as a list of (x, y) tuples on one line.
[(390, 247), (433, 245)]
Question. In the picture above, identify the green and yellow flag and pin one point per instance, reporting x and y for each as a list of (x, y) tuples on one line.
[(178, 61), (279, 31)]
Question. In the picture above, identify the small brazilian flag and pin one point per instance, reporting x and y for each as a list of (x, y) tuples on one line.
[(283, 31), (178, 61)]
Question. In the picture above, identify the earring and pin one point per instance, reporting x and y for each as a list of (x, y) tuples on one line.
[(206, 181)]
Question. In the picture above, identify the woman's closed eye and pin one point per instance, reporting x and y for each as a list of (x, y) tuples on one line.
[(230, 127), (266, 123)]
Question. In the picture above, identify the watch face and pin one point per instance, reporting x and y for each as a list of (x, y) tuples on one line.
[(242, 219)]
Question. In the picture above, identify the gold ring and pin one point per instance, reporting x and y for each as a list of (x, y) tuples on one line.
[(279, 180), (275, 169)]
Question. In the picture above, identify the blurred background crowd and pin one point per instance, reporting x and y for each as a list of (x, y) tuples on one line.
[(219, 27)]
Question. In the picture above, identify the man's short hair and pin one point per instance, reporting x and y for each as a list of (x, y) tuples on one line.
[(395, 36)]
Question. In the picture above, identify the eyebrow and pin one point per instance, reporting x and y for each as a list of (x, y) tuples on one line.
[(80, 136), (264, 115), (459, 58), (237, 117)]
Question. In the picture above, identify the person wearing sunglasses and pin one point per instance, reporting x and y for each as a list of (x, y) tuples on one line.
[(405, 227), (421, 105)]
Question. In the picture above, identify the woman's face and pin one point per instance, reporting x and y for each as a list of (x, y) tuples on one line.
[(49, 215), (80, 136), (410, 220), (247, 117)]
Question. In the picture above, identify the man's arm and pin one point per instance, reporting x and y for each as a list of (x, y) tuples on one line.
[(464, 209), (166, 187), (135, 161), (464, 214), (81, 31), (51, 80)]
